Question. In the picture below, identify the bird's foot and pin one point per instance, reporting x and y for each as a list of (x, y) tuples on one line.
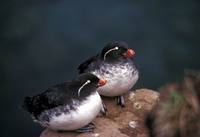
[(88, 128), (104, 109), (121, 101)]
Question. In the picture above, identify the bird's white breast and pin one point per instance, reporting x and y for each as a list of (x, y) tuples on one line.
[(120, 78), (80, 117)]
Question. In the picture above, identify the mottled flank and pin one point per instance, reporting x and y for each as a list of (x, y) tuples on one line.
[(45, 117)]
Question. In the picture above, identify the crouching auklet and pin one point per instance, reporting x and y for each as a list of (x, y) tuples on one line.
[(67, 106), (114, 65)]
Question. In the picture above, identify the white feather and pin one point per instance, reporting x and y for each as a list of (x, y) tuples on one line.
[(80, 117), (79, 90), (115, 48)]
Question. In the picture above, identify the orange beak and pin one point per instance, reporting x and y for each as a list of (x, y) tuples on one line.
[(130, 53), (102, 82)]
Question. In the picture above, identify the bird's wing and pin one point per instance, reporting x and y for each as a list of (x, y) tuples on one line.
[(85, 65), (51, 98)]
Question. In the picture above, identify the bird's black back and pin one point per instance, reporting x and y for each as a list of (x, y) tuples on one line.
[(91, 62)]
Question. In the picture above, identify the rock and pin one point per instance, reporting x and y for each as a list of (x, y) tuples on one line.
[(119, 122)]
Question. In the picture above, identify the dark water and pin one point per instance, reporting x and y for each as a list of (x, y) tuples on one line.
[(42, 42)]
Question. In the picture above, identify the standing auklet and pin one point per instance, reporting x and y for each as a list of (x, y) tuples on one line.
[(114, 65), (67, 106)]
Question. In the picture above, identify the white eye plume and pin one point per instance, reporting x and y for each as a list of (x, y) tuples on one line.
[(79, 90), (115, 48)]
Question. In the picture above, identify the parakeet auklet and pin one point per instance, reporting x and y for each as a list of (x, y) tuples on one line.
[(114, 65), (67, 106)]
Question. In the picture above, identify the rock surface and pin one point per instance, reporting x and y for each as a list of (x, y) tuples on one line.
[(119, 122), (178, 111)]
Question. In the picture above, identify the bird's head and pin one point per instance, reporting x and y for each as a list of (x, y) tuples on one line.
[(89, 83), (116, 50)]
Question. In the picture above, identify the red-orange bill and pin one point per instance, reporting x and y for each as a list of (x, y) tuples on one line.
[(102, 82), (130, 53)]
